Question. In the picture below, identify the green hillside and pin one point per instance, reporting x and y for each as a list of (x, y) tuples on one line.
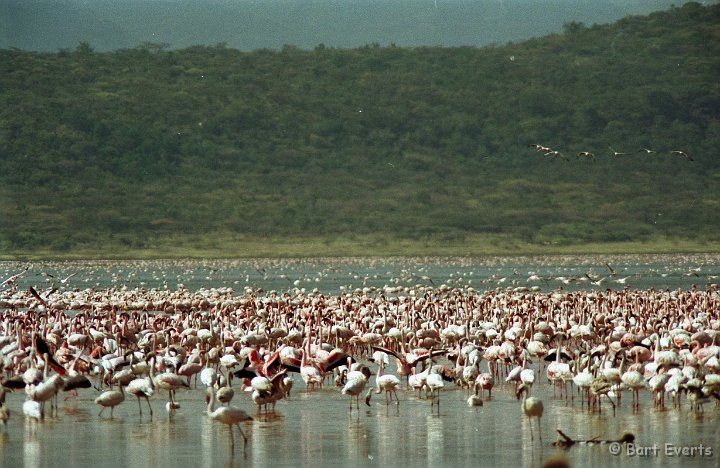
[(204, 150)]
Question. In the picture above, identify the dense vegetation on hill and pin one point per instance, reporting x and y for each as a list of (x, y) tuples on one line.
[(141, 147)]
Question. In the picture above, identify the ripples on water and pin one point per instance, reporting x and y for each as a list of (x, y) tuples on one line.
[(331, 275), (316, 429)]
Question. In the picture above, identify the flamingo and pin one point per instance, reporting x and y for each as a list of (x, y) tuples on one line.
[(527, 376), (635, 382), (228, 415), (434, 382), (599, 387), (208, 376), (475, 399), (388, 383), (417, 381), (470, 372), (407, 361), (521, 374), (309, 372), (558, 371), (666, 358), (514, 375), (111, 399), (486, 381), (142, 388), (268, 390), (674, 385), (697, 396), (583, 380), (287, 384), (74, 382), (167, 381), (4, 411), (190, 369), (532, 408), (657, 387), (171, 407), (13, 279), (225, 393), (43, 391), (356, 381), (33, 411)]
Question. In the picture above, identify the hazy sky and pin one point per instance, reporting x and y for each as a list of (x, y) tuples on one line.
[(49, 25)]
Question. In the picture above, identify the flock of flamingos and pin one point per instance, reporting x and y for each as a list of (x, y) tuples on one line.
[(245, 349)]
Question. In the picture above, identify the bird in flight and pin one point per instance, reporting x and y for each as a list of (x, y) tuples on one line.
[(646, 151), (619, 153), (61, 280), (595, 281), (13, 279), (682, 154), (585, 154), (611, 269), (540, 148), (425, 278)]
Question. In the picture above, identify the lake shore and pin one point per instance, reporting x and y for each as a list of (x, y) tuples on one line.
[(218, 246)]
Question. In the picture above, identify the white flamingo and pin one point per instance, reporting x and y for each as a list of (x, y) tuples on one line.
[(475, 399), (356, 381), (228, 415), (386, 382), (142, 388), (532, 408), (111, 399)]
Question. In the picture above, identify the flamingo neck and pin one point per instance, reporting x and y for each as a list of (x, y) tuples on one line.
[(211, 403)]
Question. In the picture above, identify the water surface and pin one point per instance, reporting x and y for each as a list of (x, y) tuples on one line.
[(317, 428)]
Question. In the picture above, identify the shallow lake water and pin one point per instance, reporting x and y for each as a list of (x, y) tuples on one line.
[(335, 275), (317, 428)]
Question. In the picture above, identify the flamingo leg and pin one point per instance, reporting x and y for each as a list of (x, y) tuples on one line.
[(612, 403), (539, 430), (243, 436), (532, 436)]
